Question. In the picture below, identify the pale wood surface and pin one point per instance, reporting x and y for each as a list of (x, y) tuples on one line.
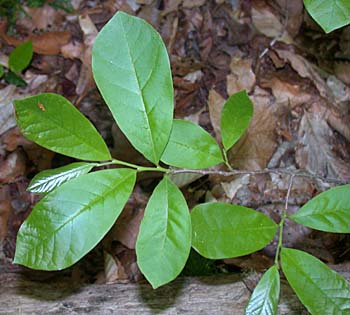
[(214, 295)]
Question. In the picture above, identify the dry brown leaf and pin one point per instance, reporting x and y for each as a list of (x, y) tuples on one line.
[(43, 17), (340, 123), (315, 151), (215, 104), (255, 149), (268, 23), (294, 11), (47, 44), (339, 90), (114, 270), (171, 6), (127, 227), (72, 50), (342, 71), (7, 113), (146, 2), (305, 69), (286, 93), (242, 76), (192, 3), (86, 82), (256, 261), (4, 60), (13, 167), (5, 208)]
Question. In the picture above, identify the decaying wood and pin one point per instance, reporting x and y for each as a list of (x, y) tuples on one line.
[(225, 294)]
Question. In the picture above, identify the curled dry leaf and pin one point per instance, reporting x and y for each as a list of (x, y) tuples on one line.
[(255, 149), (241, 77), (315, 152)]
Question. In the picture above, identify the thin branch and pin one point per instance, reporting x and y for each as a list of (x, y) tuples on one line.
[(283, 218), (278, 171), (288, 192)]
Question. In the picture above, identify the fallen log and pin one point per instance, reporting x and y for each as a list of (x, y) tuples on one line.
[(214, 295)]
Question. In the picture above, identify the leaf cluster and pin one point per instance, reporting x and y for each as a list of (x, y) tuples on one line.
[(79, 206)]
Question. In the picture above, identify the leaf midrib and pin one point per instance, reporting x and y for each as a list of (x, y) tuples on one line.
[(41, 182), (70, 133), (149, 133), (90, 205), (306, 275)]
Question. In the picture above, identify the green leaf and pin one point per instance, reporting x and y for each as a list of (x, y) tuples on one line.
[(235, 118), (329, 211), (318, 287), (223, 230), (1, 71), (164, 240), (20, 57), (264, 299), (68, 222), (190, 146), (12, 78), (132, 71), (330, 15), (54, 123), (48, 180)]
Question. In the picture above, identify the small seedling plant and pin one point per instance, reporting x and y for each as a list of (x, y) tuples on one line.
[(132, 71), (19, 60)]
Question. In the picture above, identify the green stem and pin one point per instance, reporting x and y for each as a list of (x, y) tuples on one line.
[(226, 160), (280, 237), (137, 167), (104, 163)]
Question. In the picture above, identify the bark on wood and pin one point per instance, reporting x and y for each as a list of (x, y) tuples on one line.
[(214, 295)]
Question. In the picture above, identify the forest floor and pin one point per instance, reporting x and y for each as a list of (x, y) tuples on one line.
[(297, 77)]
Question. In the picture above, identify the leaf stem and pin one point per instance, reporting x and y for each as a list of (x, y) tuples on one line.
[(281, 224), (137, 167), (226, 160)]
